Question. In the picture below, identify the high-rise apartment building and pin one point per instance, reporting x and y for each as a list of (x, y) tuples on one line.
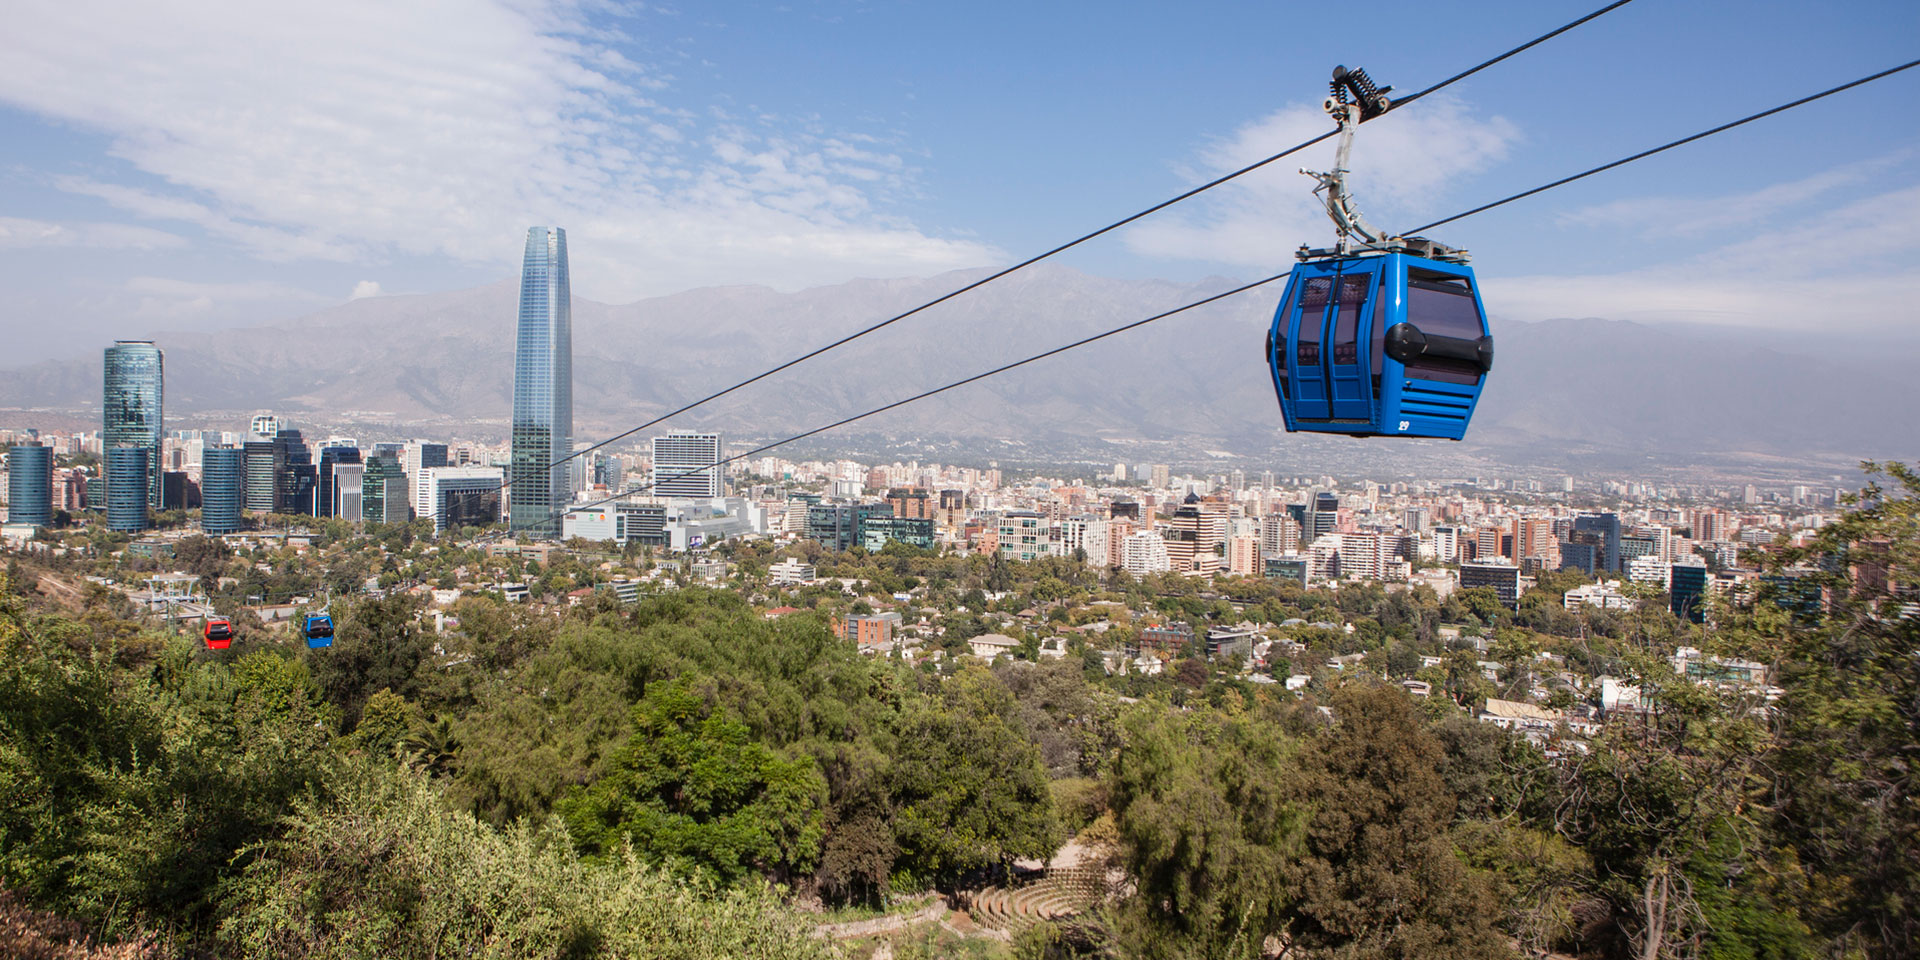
[(131, 409), (686, 464), (223, 489), (127, 489), (1143, 553), (1194, 537), (542, 387), (30, 484)]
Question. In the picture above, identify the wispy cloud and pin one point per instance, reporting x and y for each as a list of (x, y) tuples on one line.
[(1681, 216), (362, 130), (1851, 267), (1402, 164), (20, 233), (160, 299)]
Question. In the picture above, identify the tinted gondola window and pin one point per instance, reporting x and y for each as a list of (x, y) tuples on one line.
[(1443, 306), (1346, 322), (1313, 311), (1379, 328)]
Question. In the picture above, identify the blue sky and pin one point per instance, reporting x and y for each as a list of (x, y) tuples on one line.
[(190, 166)]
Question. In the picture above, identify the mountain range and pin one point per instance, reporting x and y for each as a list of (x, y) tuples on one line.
[(1562, 392)]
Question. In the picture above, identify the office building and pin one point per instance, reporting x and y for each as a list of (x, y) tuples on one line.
[(878, 531), (1025, 535), (127, 477), (1503, 577), (30, 484), (349, 485), (1323, 517), (131, 409), (419, 455), (326, 499), (1602, 532), (686, 465), (294, 476), (262, 478), (1687, 591), (458, 496), (265, 425), (383, 491), (223, 489), (542, 435)]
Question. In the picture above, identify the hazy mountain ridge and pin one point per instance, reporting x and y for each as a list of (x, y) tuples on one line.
[(1561, 387)]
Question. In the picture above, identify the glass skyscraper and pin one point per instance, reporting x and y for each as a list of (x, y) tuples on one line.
[(223, 489), (130, 412), (127, 489), (30, 484), (542, 387)]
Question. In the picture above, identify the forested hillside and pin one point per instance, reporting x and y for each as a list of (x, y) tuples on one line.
[(690, 776)]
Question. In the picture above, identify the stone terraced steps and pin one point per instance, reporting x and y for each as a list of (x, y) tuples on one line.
[(1056, 896)]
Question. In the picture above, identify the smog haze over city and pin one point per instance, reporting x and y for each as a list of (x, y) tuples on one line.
[(573, 479)]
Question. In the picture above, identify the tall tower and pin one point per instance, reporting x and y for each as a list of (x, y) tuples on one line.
[(542, 387), (130, 408)]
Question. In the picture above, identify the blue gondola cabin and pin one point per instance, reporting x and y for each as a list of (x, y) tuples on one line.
[(1387, 344), (319, 631)]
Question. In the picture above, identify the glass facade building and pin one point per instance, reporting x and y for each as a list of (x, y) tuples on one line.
[(223, 489), (539, 484), (327, 500), (294, 477), (383, 491), (30, 484), (131, 405), (262, 486), (127, 489)]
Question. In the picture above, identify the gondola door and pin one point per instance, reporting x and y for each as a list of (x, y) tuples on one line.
[(1347, 370), (1310, 399)]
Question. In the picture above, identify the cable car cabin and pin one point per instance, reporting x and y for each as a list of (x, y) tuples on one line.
[(219, 633), (1380, 345), (319, 630)]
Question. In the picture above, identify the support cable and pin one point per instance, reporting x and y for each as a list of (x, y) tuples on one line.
[(1237, 290), (1062, 248)]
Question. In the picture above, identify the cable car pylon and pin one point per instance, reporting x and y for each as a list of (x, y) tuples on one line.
[(1378, 335)]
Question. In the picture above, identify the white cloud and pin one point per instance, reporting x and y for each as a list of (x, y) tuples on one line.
[(359, 130), (1402, 163), (1695, 216), (1848, 268), (166, 299), (19, 233), (364, 289)]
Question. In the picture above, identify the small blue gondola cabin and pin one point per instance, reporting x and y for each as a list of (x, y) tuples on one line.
[(1381, 344)]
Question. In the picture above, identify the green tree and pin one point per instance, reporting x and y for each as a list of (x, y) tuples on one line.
[(691, 789), (1206, 831)]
